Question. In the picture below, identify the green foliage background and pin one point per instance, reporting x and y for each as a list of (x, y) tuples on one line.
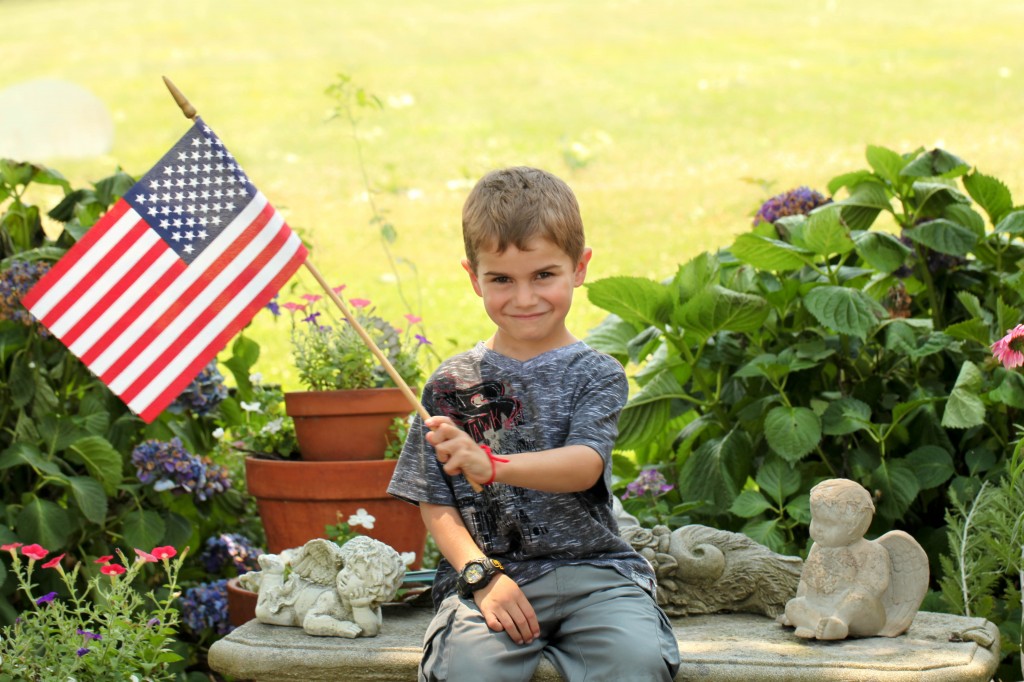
[(678, 103)]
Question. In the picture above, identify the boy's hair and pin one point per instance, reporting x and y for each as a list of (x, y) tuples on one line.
[(511, 206)]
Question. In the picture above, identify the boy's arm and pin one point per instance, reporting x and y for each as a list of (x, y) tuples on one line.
[(568, 469), (502, 604)]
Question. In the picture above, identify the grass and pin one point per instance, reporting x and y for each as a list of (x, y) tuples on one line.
[(693, 112)]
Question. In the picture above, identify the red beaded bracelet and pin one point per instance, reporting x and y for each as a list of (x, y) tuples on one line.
[(494, 463)]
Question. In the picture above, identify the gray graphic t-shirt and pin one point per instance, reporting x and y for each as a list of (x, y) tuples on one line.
[(567, 396)]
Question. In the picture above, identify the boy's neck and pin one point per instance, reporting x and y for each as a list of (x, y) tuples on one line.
[(500, 343)]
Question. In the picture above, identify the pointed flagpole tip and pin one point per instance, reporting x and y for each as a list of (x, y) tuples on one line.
[(183, 103)]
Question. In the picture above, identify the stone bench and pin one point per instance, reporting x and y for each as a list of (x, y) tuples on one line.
[(715, 648)]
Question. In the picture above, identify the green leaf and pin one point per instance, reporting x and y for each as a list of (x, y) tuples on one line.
[(769, 254), (848, 311), (638, 300), (45, 523), (881, 250), (799, 509), (716, 309), (716, 470), (970, 330), (23, 453), (865, 202), (850, 180), (90, 498), (944, 236), (21, 381), (935, 163), (846, 415), (778, 481), (1012, 223), (612, 336), (643, 423), (749, 504), (932, 465), (143, 529), (964, 408), (767, 533), (963, 214), (695, 275), (898, 485), (933, 198), (990, 193), (825, 235), (1010, 390), (101, 460), (886, 163), (792, 432)]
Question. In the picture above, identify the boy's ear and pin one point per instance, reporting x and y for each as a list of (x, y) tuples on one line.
[(472, 277), (581, 268)]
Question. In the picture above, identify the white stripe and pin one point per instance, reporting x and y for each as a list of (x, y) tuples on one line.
[(104, 284), (216, 326), (178, 287), (125, 301), (196, 307), (70, 279)]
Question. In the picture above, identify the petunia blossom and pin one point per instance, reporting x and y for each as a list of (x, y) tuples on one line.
[(46, 598), (54, 562), (293, 306), (359, 302), (88, 635), (11, 547), (165, 552), (338, 289), (82, 652), (105, 559), (145, 556), (423, 340), (1009, 350), (112, 569), (312, 298), (413, 319), (35, 552)]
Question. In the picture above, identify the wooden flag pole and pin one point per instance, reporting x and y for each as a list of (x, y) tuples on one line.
[(190, 113)]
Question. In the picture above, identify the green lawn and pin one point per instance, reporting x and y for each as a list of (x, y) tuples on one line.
[(684, 105)]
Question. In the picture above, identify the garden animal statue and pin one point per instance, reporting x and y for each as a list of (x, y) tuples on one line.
[(705, 570), (850, 586), (330, 591)]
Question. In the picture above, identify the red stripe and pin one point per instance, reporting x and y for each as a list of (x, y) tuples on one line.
[(82, 290), (182, 381), (203, 320), (170, 317), (133, 312), (75, 253), (116, 291)]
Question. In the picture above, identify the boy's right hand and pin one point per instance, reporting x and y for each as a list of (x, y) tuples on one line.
[(459, 453), (505, 607)]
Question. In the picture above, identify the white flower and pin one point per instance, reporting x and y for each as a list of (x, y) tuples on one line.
[(251, 407), (272, 426), (133, 678), (31, 365), (218, 433), (255, 378), (408, 558), (361, 518)]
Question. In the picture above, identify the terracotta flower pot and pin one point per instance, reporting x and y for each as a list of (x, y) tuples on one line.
[(345, 425), (298, 499), (241, 603)]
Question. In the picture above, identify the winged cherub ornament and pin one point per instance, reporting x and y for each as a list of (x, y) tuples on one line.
[(330, 591), (850, 586)]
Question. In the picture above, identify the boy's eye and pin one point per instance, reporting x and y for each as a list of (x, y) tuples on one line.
[(545, 275)]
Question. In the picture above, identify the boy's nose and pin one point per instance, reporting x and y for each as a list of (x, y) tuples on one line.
[(525, 296)]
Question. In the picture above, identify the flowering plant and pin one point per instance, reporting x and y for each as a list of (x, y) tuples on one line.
[(115, 637), (345, 530), (329, 354)]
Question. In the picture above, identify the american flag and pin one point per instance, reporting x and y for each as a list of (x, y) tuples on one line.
[(179, 265)]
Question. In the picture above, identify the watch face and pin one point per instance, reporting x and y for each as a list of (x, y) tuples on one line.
[(474, 573)]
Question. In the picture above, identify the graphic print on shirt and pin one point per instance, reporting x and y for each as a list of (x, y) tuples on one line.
[(491, 415)]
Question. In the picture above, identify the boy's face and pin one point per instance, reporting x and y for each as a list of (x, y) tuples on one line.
[(527, 294)]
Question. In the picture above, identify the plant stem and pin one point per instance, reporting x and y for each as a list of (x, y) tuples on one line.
[(962, 553)]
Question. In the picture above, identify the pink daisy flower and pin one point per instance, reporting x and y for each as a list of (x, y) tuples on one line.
[(1009, 350)]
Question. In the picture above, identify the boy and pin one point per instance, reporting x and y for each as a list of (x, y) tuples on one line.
[(533, 563)]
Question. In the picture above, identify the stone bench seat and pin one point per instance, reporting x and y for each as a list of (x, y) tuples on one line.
[(714, 648)]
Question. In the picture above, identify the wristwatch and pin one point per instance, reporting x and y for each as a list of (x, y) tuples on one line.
[(476, 575)]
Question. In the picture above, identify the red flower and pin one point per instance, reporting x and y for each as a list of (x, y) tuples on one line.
[(104, 559), (112, 569), (35, 552), (11, 547), (165, 552), (145, 556), (53, 562)]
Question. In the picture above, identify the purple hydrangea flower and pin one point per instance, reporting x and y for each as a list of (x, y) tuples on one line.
[(799, 201), (230, 548), (650, 481), (204, 394), (169, 466), (206, 606), (15, 281)]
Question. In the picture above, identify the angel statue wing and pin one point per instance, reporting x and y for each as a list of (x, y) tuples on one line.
[(908, 581), (318, 561)]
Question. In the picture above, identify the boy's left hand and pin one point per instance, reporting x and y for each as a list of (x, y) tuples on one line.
[(457, 451)]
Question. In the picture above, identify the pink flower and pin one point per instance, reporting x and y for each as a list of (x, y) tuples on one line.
[(1009, 350), (112, 569), (293, 306), (104, 559), (52, 563), (359, 302), (312, 298), (166, 552), (338, 289), (413, 319), (35, 552), (146, 556), (11, 547)]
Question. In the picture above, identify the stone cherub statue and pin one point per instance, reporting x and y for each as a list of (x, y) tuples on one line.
[(327, 590), (705, 570), (850, 586)]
